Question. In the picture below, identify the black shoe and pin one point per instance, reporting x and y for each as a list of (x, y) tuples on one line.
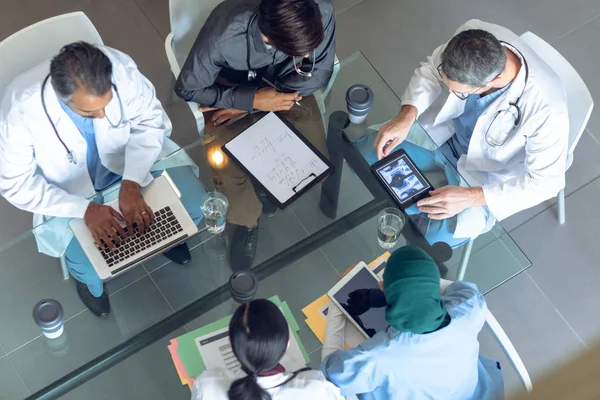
[(179, 254), (99, 306), (268, 208), (243, 248)]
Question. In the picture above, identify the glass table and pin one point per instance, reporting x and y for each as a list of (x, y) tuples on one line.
[(301, 253)]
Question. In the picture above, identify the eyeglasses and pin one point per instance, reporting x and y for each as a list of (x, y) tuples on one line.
[(303, 73), (461, 96)]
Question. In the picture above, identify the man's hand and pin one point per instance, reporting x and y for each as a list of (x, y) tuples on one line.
[(269, 99), (394, 132), (448, 201), (134, 208), (206, 109), (227, 114), (100, 220)]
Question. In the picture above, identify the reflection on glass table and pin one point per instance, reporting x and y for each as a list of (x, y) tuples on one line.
[(301, 252)]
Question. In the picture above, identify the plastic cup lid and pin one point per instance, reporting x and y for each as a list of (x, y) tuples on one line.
[(47, 313), (359, 97), (243, 286)]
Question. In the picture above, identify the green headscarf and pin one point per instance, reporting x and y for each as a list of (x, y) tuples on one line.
[(411, 284)]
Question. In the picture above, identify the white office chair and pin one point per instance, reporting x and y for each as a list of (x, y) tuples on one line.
[(509, 350), (579, 105), (187, 18), (41, 41), (579, 99)]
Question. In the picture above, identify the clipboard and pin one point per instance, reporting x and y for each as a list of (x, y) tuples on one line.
[(278, 158)]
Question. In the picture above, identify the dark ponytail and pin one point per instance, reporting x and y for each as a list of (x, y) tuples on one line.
[(259, 337)]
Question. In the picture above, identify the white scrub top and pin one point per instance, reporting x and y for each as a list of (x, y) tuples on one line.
[(312, 385)]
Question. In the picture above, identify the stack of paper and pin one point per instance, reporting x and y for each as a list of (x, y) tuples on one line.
[(208, 348), (316, 312)]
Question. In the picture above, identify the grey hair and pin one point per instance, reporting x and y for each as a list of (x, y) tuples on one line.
[(473, 57), (80, 64)]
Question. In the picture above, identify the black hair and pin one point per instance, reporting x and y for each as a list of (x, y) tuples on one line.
[(473, 57), (294, 27), (259, 337), (80, 65)]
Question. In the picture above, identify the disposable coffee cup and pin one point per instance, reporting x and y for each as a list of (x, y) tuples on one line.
[(243, 286), (359, 99), (48, 315)]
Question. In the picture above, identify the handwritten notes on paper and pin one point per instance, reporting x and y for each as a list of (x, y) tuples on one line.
[(276, 157)]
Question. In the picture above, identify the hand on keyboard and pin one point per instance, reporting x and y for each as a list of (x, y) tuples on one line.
[(101, 222), (134, 208)]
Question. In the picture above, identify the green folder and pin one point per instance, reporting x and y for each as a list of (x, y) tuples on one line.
[(190, 356)]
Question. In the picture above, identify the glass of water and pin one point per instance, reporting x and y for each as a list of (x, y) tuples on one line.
[(390, 222), (214, 209)]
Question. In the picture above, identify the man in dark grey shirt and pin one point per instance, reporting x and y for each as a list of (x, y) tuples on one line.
[(251, 38), (243, 46)]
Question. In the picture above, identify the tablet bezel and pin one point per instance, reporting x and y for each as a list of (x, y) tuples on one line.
[(341, 283), (391, 158)]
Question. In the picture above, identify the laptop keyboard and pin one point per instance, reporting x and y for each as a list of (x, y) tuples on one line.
[(165, 226)]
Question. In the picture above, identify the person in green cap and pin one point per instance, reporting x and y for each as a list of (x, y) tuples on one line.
[(430, 349)]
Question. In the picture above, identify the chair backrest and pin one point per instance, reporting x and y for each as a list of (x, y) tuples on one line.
[(41, 41), (579, 99), (187, 17)]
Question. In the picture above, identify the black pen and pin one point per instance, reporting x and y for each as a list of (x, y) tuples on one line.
[(268, 82)]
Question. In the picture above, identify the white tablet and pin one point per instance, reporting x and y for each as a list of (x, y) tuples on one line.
[(359, 297)]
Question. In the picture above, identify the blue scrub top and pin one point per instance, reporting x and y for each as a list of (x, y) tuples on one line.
[(100, 175), (442, 365), (464, 124)]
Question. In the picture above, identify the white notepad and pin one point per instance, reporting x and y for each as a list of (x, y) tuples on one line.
[(277, 157)]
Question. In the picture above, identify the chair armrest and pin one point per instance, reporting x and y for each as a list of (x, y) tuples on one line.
[(175, 68), (509, 350)]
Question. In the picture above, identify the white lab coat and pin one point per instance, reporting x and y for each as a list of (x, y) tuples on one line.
[(530, 167), (35, 174), (214, 384)]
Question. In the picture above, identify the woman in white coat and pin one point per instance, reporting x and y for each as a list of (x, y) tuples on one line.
[(259, 337), (67, 135), (504, 125)]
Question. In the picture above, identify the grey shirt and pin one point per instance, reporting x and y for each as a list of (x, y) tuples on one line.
[(222, 47)]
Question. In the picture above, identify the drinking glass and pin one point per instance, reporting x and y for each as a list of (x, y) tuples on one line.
[(390, 222), (214, 209)]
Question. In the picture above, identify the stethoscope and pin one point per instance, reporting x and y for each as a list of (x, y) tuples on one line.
[(252, 74), (513, 110), (70, 153)]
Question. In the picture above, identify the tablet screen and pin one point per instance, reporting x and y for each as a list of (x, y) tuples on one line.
[(364, 301), (403, 178)]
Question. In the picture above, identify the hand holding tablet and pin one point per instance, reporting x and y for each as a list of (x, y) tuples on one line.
[(402, 178), (359, 296)]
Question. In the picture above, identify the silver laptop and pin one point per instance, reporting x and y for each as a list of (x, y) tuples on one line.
[(172, 225)]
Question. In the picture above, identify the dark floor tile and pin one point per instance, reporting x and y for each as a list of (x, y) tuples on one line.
[(208, 269), (11, 385), (42, 361), (27, 277), (149, 374)]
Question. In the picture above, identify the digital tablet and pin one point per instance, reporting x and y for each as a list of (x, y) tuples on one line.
[(360, 298), (400, 176)]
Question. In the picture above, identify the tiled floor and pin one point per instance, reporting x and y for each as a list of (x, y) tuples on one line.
[(548, 312)]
